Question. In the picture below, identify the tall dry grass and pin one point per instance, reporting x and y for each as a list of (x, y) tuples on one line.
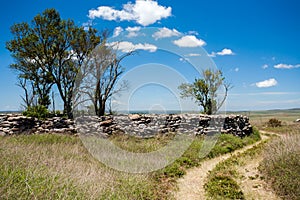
[(281, 165), (60, 167)]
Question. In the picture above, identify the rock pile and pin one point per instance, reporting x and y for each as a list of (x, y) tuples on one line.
[(150, 125), (15, 124), (135, 124)]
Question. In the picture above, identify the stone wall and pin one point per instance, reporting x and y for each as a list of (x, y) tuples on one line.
[(17, 124), (150, 124), (135, 124)]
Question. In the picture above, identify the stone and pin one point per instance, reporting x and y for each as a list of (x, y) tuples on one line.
[(15, 129), (6, 124), (134, 117), (106, 123)]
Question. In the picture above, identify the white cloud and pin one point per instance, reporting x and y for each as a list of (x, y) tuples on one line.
[(236, 69), (133, 31), (193, 55), (265, 66), (286, 66), (189, 41), (144, 12), (126, 46), (165, 33), (224, 52), (193, 33), (117, 31), (267, 83)]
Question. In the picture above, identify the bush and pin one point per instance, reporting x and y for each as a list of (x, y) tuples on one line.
[(274, 123), (223, 187), (39, 111)]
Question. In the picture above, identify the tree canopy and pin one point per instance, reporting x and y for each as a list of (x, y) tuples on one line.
[(50, 51), (204, 90)]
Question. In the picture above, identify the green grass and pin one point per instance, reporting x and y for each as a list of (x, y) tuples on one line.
[(25, 183), (221, 182), (281, 165), (228, 143), (59, 167), (53, 166)]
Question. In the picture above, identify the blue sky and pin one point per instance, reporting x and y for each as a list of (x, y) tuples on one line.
[(255, 43)]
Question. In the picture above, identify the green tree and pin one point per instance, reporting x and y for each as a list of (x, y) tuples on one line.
[(51, 51), (204, 90)]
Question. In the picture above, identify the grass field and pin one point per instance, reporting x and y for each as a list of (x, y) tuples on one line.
[(52, 166)]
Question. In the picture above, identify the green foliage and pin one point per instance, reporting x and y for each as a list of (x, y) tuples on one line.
[(204, 91), (173, 171), (281, 165), (223, 187), (49, 51), (39, 111), (57, 112), (273, 122)]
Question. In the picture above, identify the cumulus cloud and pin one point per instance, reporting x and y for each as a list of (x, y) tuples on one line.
[(189, 41), (144, 12), (165, 33), (126, 46), (133, 31), (117, 31), (224, 52), (286, 66), (267, 83)]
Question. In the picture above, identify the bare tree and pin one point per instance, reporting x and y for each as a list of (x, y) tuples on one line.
[(100, 75), (29, 92)]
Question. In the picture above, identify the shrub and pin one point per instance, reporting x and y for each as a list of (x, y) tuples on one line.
[(39, 111), (173, 170), (274, 123), (223, 187)]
